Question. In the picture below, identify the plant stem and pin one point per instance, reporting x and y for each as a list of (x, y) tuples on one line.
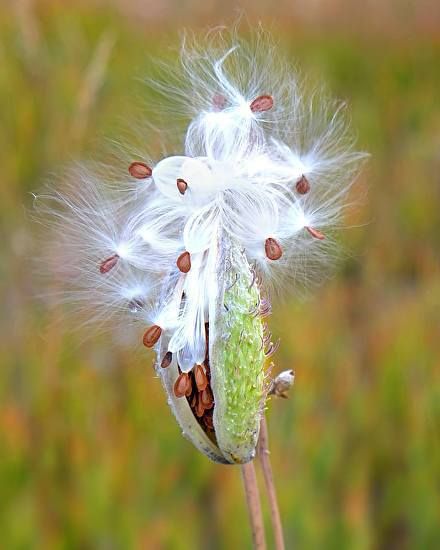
[(263, 455), (254, 505)]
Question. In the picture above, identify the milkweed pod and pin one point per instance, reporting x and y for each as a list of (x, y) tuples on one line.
[(236, 362)]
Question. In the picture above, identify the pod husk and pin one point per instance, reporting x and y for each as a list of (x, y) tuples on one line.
[(236, 358)]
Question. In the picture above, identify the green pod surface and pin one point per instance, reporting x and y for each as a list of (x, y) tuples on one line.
[(237, 357)]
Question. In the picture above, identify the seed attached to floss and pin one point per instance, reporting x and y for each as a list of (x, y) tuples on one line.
[(184, 262), (261, 103), (315, 233), (139, 170), (302, 185), (182, 186), (166, 361), (108, 264), (200, 377), (273, 249), (182, 384), (151, 336)]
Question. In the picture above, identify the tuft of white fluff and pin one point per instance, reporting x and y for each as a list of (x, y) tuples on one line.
[(254, 134)]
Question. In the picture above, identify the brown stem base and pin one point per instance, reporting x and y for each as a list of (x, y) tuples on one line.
[(254, 505), (264, 457)]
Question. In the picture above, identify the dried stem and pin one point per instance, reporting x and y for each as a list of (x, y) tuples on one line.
[(264, 457), (254, 505)]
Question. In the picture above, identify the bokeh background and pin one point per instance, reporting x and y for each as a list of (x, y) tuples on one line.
[(90, 456)]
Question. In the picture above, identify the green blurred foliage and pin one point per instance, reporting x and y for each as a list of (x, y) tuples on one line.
[(90, 456)]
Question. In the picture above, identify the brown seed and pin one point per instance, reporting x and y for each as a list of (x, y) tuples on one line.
[(139, 170), (151, 336), (273, 249), (181, 384), (261, 103), (184, 262), (219, 102), (207, 398), (166, 361), (193, 403), (200, 377), (189, 389), (208, 421), (107, 265), (200, 409), (182, 186), (303, 185), (315, 233)]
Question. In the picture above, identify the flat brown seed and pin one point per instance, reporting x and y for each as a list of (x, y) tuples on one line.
[(262, 103), (184, 262), (166, 361), (189, 387), (208, 421), (200, 377), (193, 403), (182, 186), (200, 409), (151, 336), (302, 185), (207, 398), (108, 264), (139, 170), (273, 249), (315, 233), (181, 384)]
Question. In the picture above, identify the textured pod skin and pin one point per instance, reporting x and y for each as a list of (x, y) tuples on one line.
[(236, 362), (237, 358)]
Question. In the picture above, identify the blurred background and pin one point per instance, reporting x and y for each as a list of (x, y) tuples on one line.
[(90, 456)]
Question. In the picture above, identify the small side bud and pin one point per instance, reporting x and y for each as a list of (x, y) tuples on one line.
[(302, 185), (273, 249), (166, 361), (151, 336), (315, 233), (184, 262), (261, 103), (139, 170), (182, 384), (108, 264), (182, 186), (282, 383)]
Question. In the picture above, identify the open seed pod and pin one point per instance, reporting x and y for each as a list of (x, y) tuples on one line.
[(234, 365)]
